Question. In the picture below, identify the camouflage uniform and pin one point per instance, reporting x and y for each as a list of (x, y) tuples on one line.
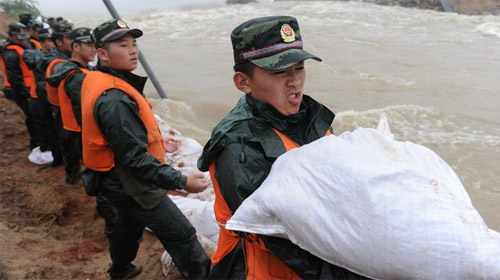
[(18, 91), (40, 107), (137, 185), (37, 27), (60, 30), (72, 142), (244, 144)]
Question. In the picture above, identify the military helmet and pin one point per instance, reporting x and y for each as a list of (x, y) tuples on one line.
[(112, 30), (18, 30), (273, 43), (81, 34)]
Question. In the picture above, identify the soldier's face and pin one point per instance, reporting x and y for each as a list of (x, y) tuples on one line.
[(121, 54), (18, 41), (86, 51), (47, 45), (64, 45), (282, 89)]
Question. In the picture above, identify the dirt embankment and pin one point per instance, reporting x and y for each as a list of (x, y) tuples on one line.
[(49, 229)]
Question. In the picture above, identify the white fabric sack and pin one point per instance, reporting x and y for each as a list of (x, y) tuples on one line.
[(200, 214), (379, 207), (38, 157)]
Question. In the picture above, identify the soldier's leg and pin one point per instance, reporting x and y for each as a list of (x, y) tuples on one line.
[(125, 237), (72, 148), (36, 110), (178, 237), (33, 132)]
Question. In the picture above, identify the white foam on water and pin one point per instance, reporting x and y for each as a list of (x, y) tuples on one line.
[(489, 28), (424, 125)]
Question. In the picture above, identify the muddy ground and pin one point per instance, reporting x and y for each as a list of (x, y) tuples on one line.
[(49, 229)]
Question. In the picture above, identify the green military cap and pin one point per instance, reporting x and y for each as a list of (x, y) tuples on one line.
[(35, 25), (273, 43), (62, 28), (81, 34), (112, 30), (18, 30), (45, 33)]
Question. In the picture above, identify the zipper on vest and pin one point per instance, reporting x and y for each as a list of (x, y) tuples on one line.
[(243, 156)]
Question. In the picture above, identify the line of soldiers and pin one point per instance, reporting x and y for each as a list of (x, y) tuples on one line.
[(45, 77), (102, 116), (43, 71)]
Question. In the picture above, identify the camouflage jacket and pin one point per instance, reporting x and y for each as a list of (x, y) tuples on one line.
[(245, 147), (73, 84)]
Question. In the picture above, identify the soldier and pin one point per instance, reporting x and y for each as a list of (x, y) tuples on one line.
[(69, 80), (45, 36), (51, 21), (34, 28), (18, 77), (124, 153), (51, 63), (39, 104), (273, 116)]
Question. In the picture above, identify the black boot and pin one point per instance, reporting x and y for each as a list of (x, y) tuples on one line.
[(129, 273)]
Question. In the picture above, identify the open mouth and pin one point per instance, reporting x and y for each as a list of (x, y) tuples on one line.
[(294, 98)]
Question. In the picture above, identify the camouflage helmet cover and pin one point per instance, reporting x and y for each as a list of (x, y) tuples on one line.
[(18, 30), (81, 34), (62, 28), (112, 30), (273, 43)]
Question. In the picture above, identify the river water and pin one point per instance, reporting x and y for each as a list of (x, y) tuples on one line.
[(435, 76)]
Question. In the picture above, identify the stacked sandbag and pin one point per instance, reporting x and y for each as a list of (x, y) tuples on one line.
[(376, 206)]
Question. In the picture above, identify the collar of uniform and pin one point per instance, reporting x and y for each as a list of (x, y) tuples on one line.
[(9, 42), (78, 64), (134, 80), (273, 117), (58, 54)]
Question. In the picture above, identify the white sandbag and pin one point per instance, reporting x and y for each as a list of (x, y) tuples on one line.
[(379, 207), (38, 157), (200, 214)]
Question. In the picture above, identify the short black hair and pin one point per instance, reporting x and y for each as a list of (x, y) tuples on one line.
[(245, 68), (55, 37), (45, 39)]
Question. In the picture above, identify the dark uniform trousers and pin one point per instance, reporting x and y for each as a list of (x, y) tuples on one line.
[(40, 109), (31, 125), (69, 140), (170, 226)]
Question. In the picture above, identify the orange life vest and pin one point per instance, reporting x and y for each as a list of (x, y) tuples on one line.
[(97, 155), (28, 74), (67, 114), (37, 44), (52, 95), (261, 263), (33, 93)]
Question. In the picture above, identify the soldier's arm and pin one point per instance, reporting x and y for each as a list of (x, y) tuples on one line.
[(73, 87), (15, 74), (117, 116)]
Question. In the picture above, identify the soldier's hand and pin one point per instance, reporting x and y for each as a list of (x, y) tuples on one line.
[(196, 183)]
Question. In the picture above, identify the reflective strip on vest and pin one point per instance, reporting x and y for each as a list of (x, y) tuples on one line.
[(67, 113), (97, 155), (52, 95), (27, 73)]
